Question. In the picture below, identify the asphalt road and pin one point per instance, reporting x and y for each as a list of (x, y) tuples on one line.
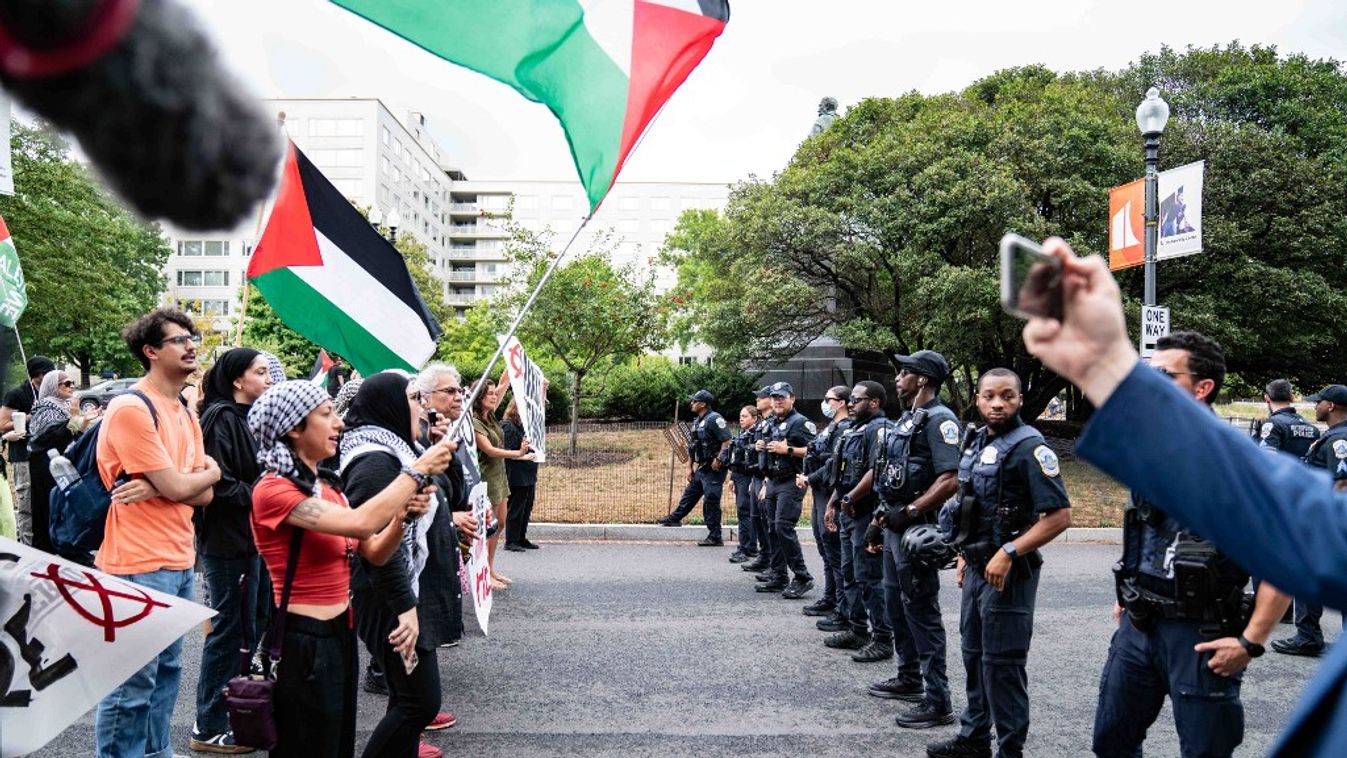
[(606, 649)]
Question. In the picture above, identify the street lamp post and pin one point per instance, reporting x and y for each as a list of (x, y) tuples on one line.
[(1152, 115), (393, 220)]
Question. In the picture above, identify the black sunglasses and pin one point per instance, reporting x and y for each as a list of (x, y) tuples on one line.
[(857, 399)]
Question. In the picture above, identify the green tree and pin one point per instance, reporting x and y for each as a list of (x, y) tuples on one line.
[(90, 266), (471, 340), (590, 315)]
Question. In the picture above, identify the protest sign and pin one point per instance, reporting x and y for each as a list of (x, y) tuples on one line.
[(526, 380)]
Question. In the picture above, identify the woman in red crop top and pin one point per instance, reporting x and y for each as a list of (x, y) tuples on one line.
[(315, 677)]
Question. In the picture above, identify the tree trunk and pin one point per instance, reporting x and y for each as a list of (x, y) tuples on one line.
[(575, 412), (85, 362)]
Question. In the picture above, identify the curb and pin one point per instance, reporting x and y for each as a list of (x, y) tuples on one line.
[(692, 534)]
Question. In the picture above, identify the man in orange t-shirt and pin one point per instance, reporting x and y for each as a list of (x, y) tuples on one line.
[(164, 474)]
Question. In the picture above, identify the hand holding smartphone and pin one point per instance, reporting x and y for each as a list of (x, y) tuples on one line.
[(1031, 280)]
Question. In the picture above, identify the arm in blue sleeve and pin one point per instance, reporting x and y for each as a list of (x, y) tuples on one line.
[(1280, 520)]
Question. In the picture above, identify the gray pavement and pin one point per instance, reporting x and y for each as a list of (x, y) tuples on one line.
[(620, 649)]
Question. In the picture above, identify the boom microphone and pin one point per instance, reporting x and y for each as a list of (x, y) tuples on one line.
[(139, 85)]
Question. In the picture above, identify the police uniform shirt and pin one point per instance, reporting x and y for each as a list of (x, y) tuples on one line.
[(797, 431), (711, 431), (937, 443), (819, 459), (1031, 472), (1330, 451), (1287, 431)]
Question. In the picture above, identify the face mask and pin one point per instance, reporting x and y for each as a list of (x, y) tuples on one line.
[(828, 410)]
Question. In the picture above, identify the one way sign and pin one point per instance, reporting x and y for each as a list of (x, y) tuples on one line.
[(1154, 325)]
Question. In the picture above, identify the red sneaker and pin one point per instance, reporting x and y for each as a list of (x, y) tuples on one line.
[(427, 750), (442, 720)]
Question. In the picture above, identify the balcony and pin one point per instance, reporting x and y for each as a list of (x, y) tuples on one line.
[(452, 299), (461, 208), (462, 276), (476, 230)]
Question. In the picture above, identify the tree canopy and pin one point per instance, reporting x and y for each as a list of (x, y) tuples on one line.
[(882, 230)]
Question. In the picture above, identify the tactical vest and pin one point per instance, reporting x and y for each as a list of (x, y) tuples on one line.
[(703, 447), (903, 474), (852, 455), (781, 467), (741, 456), (818, 454), (981, 476)]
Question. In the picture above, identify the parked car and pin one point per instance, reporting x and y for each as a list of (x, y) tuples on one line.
[(99, 395)]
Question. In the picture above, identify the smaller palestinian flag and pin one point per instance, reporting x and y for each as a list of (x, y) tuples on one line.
[(13, 291), (334, 279), (603, 67), (321, 366)]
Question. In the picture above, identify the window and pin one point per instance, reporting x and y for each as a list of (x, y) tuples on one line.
[(660, 227), (561, 202), (189, 247), (384, 135), (687, 360), (337, 158), (189, 278), (215, 307), (627, 225), (526, 202), (350, 188), (193, 278), (659, 203), (629, 204), (495, 202), (384, 166), (217, 247)]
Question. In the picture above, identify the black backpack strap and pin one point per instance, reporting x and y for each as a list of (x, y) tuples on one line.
[(277, 632)]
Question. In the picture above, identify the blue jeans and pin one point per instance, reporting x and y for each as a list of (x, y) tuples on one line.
[(220, 653), (134, 719)]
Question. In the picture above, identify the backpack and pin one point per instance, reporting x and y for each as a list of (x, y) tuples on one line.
[(79, 512)]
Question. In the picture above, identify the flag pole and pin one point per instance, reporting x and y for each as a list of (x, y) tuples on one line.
[(518, 319)]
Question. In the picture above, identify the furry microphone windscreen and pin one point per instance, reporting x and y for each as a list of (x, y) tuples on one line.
[(168, 128)]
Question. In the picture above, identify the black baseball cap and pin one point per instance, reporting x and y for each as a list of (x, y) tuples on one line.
[(702, 396), (1333, 393), (764, 392), (781, 389), (924, 362)]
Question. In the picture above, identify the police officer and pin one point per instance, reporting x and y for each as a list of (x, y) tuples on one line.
[(1010, 502), (1329, 452), (913, 474), (818, 477), (1285, 429), (741, 459), (762, 524), (849, 513), (706, 477), (1185, 631), (783, 452)]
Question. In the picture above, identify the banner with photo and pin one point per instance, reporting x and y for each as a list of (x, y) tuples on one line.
[(69, 635), (1180, 211), (477, 568), (526, 381)]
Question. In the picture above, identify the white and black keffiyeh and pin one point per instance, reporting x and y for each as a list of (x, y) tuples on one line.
[(276, 412), (274, 368), (342, 402)]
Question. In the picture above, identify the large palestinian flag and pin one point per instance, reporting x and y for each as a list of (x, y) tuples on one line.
[(331, 277), (604, 67)]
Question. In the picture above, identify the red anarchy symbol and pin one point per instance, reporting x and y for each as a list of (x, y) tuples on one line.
[(108, 621)]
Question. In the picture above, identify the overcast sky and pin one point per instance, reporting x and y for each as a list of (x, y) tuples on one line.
[(753, 99)]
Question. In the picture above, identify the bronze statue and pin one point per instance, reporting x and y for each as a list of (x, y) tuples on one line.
[(827, 114)]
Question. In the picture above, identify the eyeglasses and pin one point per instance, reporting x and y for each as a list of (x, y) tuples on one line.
[(854, 399), (67, 383), (835, 399), (181, 340), (1174, 374), (450, 391)]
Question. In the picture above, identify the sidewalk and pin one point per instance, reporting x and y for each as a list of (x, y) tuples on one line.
[(692, 534)]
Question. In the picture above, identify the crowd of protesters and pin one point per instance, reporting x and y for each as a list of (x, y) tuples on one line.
[(319, 517)]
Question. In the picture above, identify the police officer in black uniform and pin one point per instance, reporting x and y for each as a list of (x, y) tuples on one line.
[(741, 459), (1010, 502), (1186, 631), (818, 470), (1285, 429), (706, 477), (849, 513), (1328, 452), (762, 523), (913, 474), (783, 452)]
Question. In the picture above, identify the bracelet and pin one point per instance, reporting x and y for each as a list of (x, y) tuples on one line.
[(422, 481)]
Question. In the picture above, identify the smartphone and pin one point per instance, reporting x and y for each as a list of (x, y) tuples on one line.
[(432, 417), (1031, 280)]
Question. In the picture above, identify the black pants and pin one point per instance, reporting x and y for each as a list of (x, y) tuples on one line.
[(705, 485), (413, 701), (519, 509), (315, 689), (785, 502), (830, 550)]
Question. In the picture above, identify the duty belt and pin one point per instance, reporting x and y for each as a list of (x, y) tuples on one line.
[(1145, 607)]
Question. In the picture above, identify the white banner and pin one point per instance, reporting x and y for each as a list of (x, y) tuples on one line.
[(526, 380), (479, 570), (1180, 191), (6, 158), (68, 636)]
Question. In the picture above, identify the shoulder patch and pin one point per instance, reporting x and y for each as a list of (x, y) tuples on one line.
[(988, 455), (720, 421), (1265, 430), (949, 432), (1047, 461), (809, 425), (1340, 449)]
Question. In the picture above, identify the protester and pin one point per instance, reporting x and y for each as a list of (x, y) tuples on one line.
[(491, 457), (522, 476), (148, 538), (52, 425), (1279, 521), (224, 539), (275, 369), (377, 448), (296, 507), (21, 400)]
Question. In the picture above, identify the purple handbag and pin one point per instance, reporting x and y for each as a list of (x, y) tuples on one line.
[(248, 696)]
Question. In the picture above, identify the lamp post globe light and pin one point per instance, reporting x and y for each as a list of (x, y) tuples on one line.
[(393, 220), (376, 218), (1152, 115)]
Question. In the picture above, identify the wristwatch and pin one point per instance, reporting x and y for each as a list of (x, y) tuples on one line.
[(846, 500), (1252, 648), (912, 512), (422, 481), (1010, 550)]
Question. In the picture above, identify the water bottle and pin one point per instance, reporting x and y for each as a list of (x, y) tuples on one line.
[(62, 470)]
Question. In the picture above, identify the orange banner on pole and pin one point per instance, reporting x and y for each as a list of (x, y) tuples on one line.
[(1127, 225)]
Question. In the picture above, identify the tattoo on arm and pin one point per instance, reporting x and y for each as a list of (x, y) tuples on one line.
[(308, 512)]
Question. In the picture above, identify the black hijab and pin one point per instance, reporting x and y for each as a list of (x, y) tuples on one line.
[(382, 401), (217, 386)]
